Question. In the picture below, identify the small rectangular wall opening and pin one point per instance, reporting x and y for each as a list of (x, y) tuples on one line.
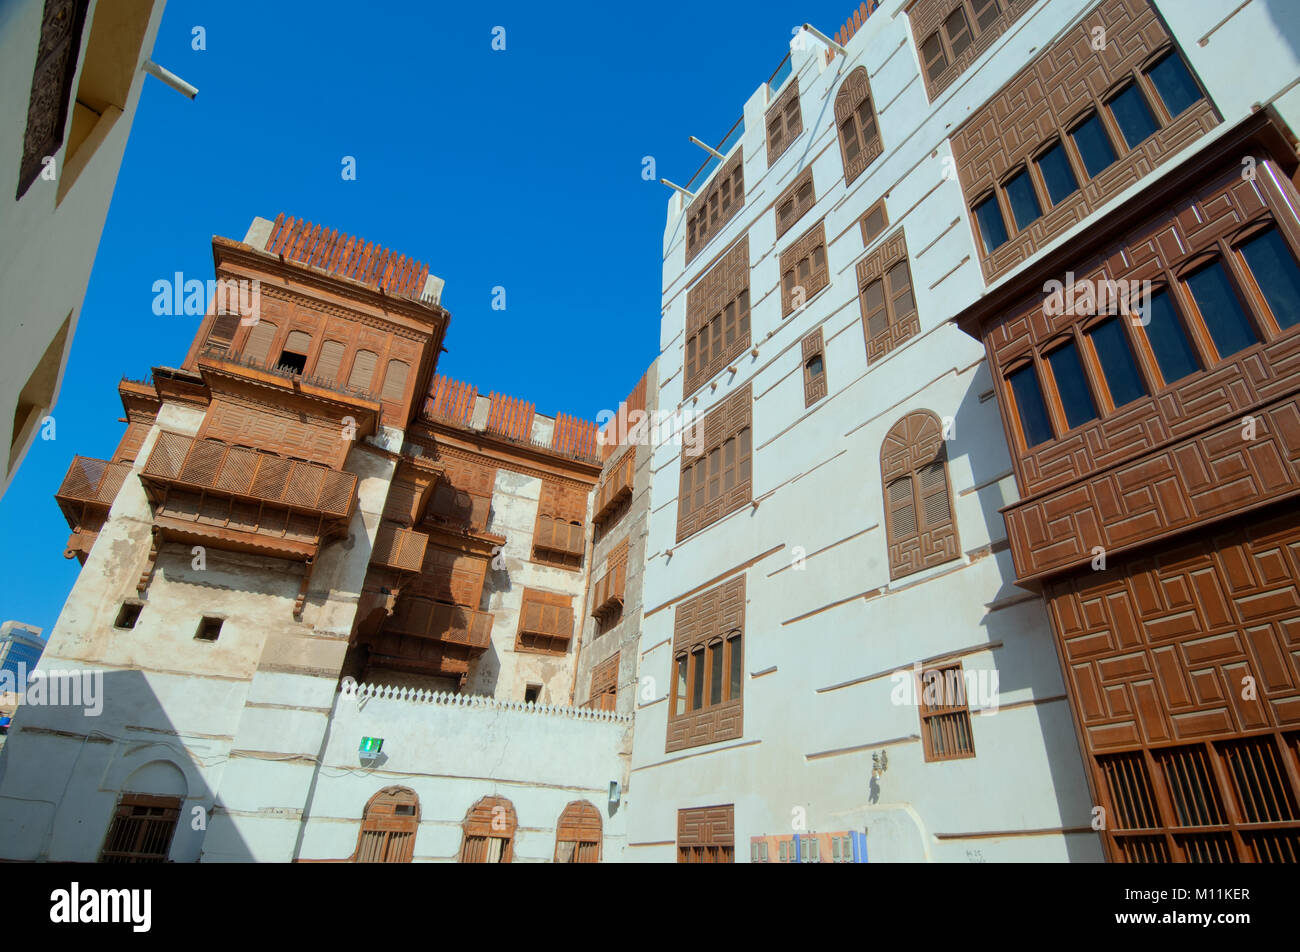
[(532, 693), (209, 628), (129, 614)]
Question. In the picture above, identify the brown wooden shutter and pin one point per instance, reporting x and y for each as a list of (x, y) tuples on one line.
[(934, 494), (855, 119), (331, 358), (298, 342), (223, 331), (902, 508), (395, 380), (363, 370), (259, 341)]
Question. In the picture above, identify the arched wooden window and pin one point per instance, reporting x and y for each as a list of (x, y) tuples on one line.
[(489, 832), (918, 503), (388, 827), (855, 118), (363, 370), (577, 835)]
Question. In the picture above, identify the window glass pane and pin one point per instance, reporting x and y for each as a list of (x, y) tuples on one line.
[(1024, 203), (849, 136), (1133, 115), (681, 685), (1168, 339), (1174, 83), (866, 122), (697, 679), (933, 56), (1276, 273), (735, 659), (1072, 386), (1029, 405), (957, 30), (1054, 164), (815, 367), (993, 230), (1117, 364), (1094, 146), (986, 11), (1227, 322), (715, 673)]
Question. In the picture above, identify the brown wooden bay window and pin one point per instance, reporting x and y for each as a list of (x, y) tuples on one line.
[(717, 317), (784, 122), (1202, 310), (604, 685), (545, 622), (559, 536), (719, 478), (713, 207)]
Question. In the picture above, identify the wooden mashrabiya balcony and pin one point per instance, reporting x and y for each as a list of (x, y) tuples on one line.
[(242, 499), (430, 637), (85, 496)]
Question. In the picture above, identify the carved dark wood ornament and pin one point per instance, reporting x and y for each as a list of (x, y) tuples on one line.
[(51, 96)]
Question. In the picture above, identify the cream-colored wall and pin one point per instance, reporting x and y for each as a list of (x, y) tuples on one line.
[(47, 243)]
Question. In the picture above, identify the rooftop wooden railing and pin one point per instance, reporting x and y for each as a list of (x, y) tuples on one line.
[(234, 471), (342, 254), (398, 548)]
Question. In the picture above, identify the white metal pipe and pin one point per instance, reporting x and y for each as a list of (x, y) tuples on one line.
[(171, 79), (708, 148), (677, 187), (825, 39)]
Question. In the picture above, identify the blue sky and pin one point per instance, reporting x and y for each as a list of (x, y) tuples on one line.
[(519, 168)]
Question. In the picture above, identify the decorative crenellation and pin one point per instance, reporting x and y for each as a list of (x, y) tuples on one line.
[(480, 702)]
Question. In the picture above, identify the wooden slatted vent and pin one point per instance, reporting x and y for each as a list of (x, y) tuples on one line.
[(141, 831)]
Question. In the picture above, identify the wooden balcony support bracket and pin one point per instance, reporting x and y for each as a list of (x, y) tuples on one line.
[(301, 600), (147, 575)]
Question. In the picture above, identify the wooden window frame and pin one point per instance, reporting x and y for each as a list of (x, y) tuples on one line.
[(899, 328), (804, 250), (790, 196), (979, 37), (931, 715), (732, 419), (397, 830), (575, 827), (785, 113), (141, 827), (708, 637), (814, 388), (479, 826), (867, 236), (854, 91), (914, 443)]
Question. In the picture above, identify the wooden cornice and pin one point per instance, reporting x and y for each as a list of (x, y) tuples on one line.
[(528, 460), (261, 386)]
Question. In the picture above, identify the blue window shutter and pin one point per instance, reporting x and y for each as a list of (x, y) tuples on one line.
[(797, 858), (859, 847)]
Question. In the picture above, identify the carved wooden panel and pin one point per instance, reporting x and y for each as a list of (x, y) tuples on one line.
[(856, 123), (901, 320), (1157, 648), (708, 616), (715, 206), (803, 268), (919, 522), (784, 121), (718, 480), (1042, 103), (132, 440), (928, 16), (545, 622), (579, 823), (276, 429), (603, 695), (717, 317), (794, 201), (706, 834), (57, 50)]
